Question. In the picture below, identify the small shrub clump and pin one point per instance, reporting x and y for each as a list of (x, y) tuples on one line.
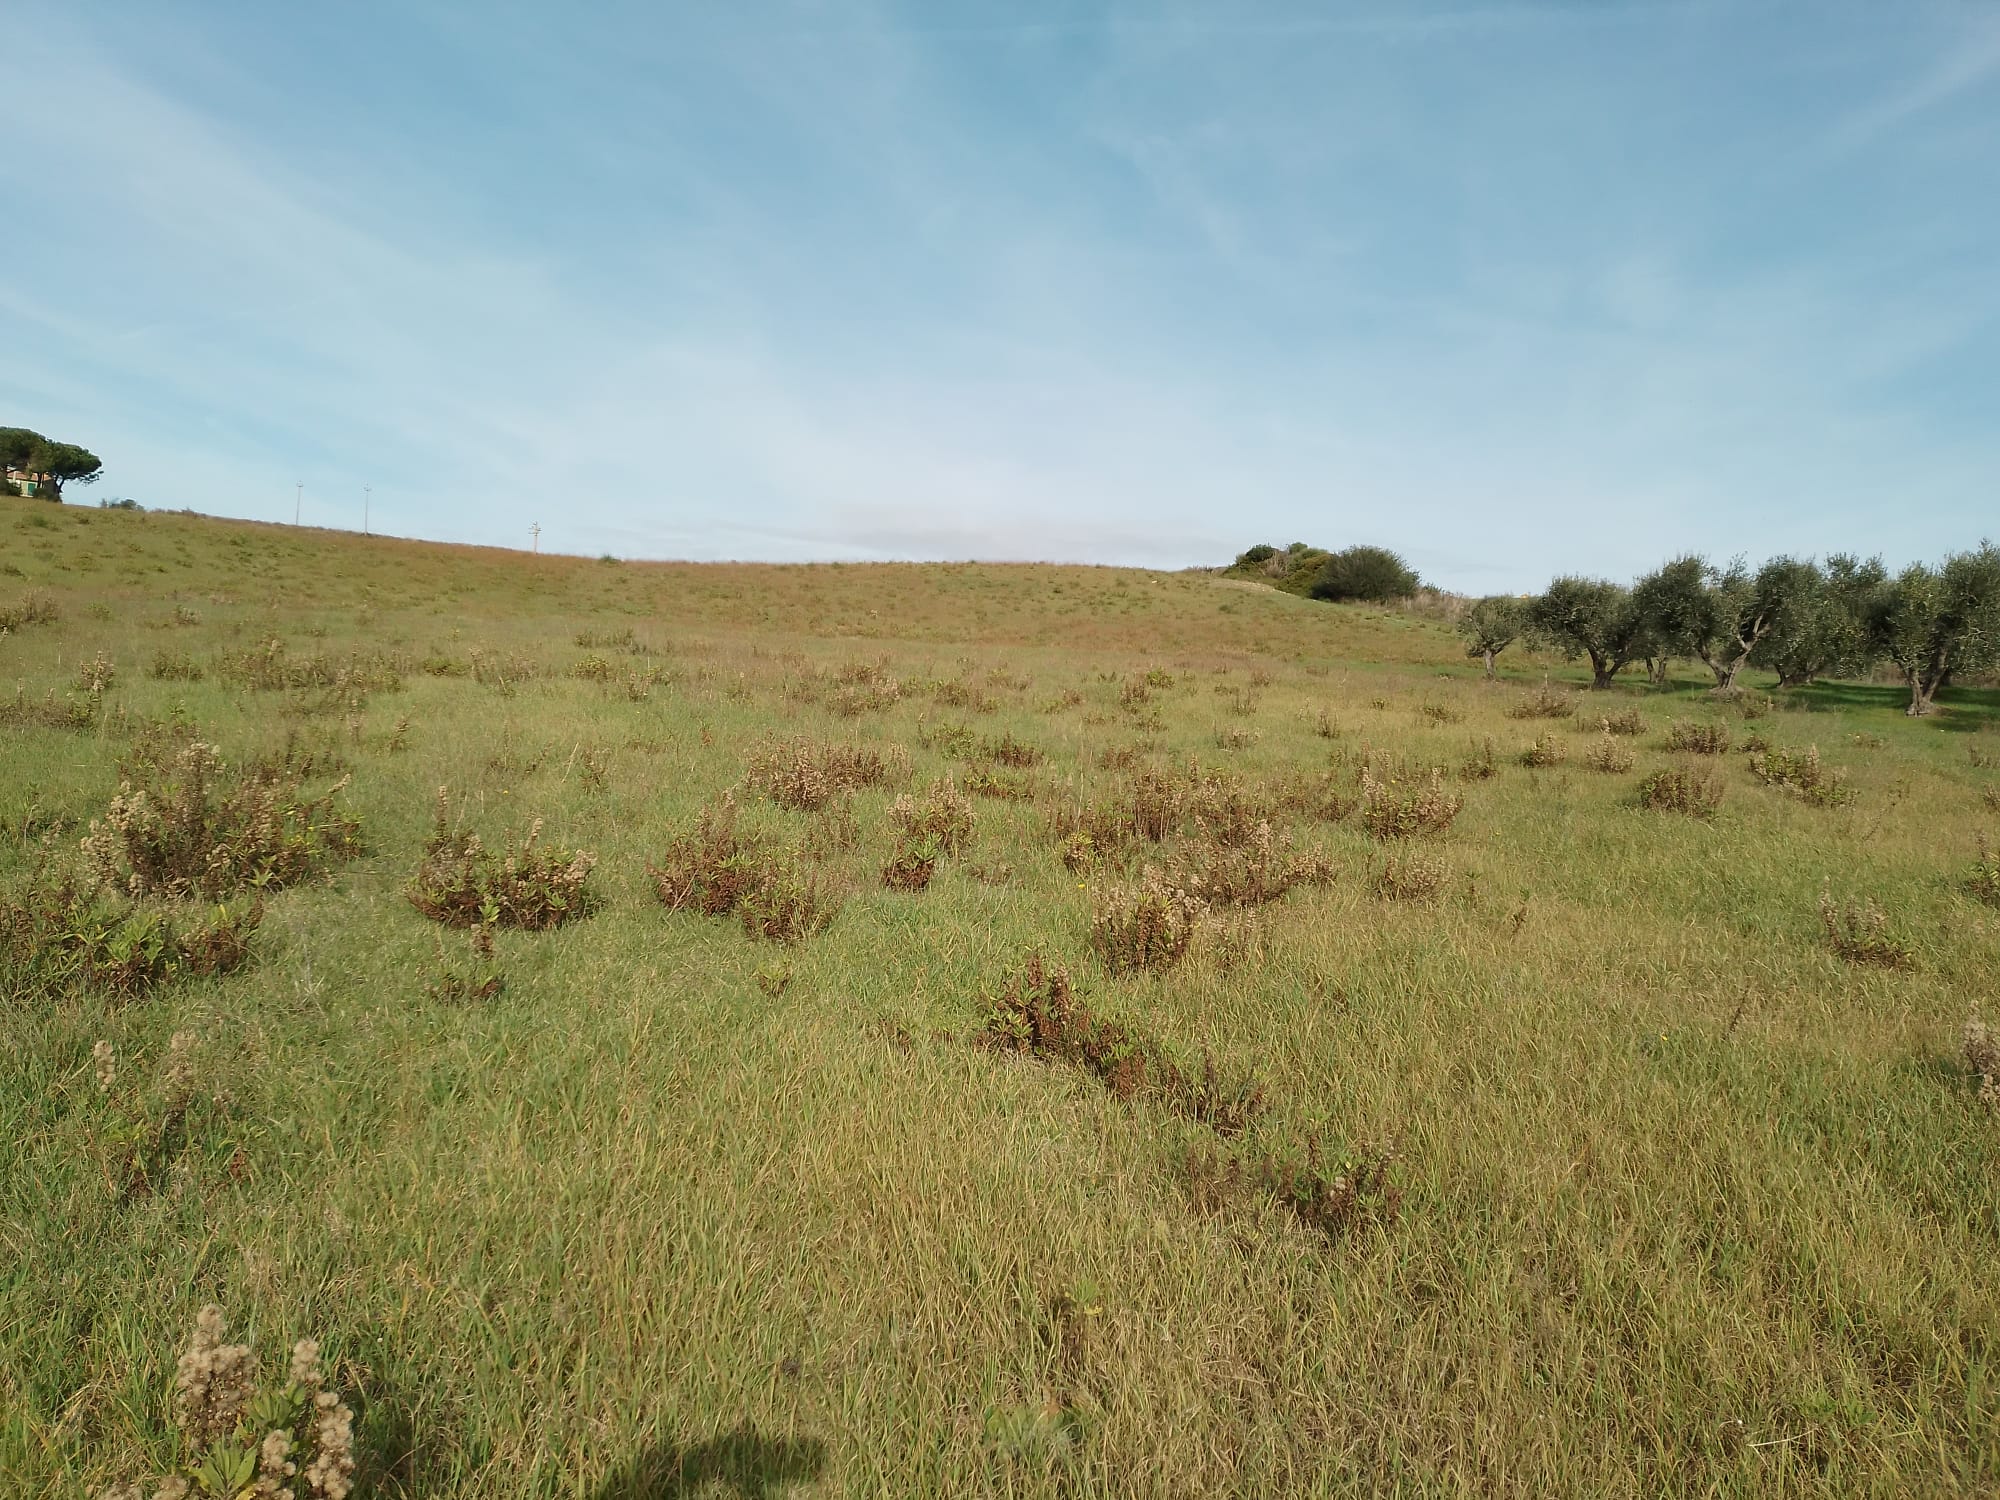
[(1144, 926), (1677, 789), (1253, 873), (711, 867), (1481, 764), (1626, 722), (61, 933), (1698, 737), (1861, 935), (1983, 879), (1332, 1201), (1412, 875), (172, 665), (462, 883), (1035, 1011), (1801, 771), (241, 1437), (1980, 1045), (1545, 702), (1546, 750), (183, 824), (943, 813), (714, 869), (1609, 754), (804, 775), (1395, 808), (33, 608)]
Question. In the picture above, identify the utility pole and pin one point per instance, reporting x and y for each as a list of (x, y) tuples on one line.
[(536, 530), (367, 494), (298, 499)]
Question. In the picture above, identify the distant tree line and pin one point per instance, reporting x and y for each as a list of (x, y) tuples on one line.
[(1801, 619), (46, 464)]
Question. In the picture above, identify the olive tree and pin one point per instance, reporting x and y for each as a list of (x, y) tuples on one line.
[(1491, 625), (1824, 627), (1591, 617), (1719, 615), (1932, 622)]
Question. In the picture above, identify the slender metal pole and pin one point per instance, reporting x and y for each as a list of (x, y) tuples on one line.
[(536, 530), (298, 499), (367, 494)]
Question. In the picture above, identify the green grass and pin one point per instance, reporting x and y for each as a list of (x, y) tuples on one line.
[(1689, 1205)]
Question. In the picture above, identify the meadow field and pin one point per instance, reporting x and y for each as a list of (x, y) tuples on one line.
[(971, 1030)]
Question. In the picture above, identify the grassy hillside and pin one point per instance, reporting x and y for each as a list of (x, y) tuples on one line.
[(1555, 1150)]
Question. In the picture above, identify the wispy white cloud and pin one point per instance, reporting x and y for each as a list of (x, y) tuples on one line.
[(831, 289)]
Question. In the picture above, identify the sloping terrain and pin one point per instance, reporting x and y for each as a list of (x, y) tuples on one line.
[(1113, 1033)]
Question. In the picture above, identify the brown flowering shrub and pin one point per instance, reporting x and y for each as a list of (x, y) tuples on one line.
[(1677, 789), (96, 676), (1980, 1045), (1861, 934), (912, 863), (1145, 925), (1258, 871), (184, 824), (1627, 722), (1411, 875), (270, 667), (1546, 750), (958, 694), (1333, 1201), (245, 1439), (462, 883), (1086, 833), (1983, 879), (145, 1128), (478, 977), (943, 813), (1697, 737), (715, 869), (62, 932), (711, 867), (791, 901), (1801, 772), (174, 665), (1440, 714), (1482, 764), (1035, 1011), (33, 608), (1001, 785), (804, 775), (1609, 754), (1313, 794), (1397, 807), (1545, 702), (51, 712), (1005, 750)]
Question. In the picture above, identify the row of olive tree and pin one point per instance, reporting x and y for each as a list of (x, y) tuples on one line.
[(1801, 619)]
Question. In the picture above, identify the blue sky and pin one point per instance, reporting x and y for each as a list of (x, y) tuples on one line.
[(1514, 288)]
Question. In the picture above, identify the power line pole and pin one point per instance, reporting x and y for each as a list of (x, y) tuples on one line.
[(298, 499), (367, 494), (536, 530)]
